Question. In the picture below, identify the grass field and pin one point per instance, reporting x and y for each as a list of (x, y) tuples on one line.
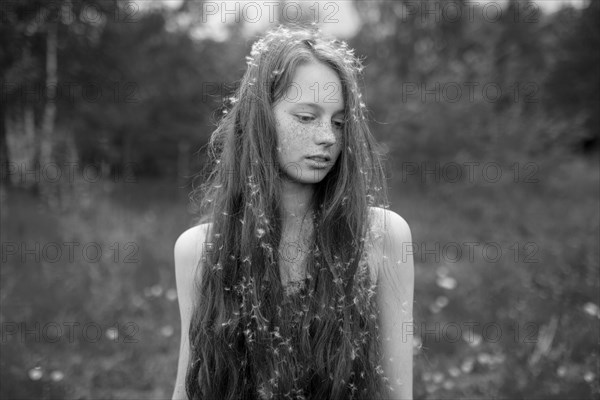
[(102, 321)]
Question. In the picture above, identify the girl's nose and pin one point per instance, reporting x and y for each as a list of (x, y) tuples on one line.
[(325, 133)]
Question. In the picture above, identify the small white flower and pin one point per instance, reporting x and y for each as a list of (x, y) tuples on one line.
[(57, 376), (591, 309), (156, 290), (171, 294), (167, 331), (589, 376), (467, 365), (112, 333), (446, 282), (35, 374)]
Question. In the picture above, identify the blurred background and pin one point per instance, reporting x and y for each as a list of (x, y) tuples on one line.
[(487, 113)]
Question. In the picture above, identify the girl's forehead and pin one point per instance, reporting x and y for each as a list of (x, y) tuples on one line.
[(314, 72), (316, 83)]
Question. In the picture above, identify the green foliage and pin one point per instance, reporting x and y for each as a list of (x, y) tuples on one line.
[(161, 95), (572, 85), (556, 279), (127, 295)]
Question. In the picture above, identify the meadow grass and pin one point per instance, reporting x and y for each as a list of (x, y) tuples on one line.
[(129, 292)]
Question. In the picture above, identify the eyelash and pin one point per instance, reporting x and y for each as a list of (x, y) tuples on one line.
[(301, 118), (340, 125)]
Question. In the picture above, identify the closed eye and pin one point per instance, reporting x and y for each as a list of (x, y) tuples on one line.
[(339, 124), (305, 118)]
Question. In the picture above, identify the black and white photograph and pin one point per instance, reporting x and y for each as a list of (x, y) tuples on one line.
[(299, 199)]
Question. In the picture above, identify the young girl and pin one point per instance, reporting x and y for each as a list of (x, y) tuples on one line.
[(293, 284)]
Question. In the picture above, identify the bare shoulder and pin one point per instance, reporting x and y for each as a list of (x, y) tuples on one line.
[(188, 255), (395, 297), (188, 251), (390, 244), (384, 222), (190, 241)]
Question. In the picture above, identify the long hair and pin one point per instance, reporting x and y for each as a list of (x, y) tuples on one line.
[(248, 339)]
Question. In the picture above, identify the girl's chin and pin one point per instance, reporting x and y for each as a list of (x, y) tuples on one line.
[(305, 176), (303, 179)]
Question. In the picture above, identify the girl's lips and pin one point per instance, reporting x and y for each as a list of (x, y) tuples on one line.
[(318, 162), (320, 157)]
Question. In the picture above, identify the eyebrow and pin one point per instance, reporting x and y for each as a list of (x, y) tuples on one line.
[(317, 106)]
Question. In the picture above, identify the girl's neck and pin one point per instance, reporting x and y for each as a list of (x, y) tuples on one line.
[(295, 201)]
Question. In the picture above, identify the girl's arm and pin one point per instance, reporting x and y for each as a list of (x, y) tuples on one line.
[(188, 250), (395, 300)]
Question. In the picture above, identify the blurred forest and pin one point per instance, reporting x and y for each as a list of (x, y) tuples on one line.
[(106, 106)]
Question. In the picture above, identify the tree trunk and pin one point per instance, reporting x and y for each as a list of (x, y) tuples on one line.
[(30, 182), (4, 157), (49, 116), (183, 162)]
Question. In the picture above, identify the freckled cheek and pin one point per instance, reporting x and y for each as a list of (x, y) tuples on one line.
[(338, 148), (293, 139)]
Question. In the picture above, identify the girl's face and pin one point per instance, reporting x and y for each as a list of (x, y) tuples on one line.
[(310, 121)]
